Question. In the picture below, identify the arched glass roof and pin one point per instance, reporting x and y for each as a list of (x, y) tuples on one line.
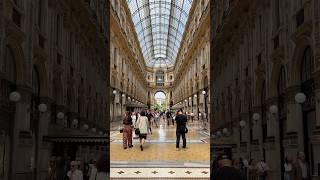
[(160, 25)]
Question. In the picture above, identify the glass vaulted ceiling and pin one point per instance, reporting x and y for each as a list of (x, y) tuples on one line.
[(159, 25)]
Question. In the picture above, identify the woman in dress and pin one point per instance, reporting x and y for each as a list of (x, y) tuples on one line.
[(142, 125)]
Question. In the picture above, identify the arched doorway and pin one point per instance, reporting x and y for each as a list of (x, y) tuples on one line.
[(160, 101)]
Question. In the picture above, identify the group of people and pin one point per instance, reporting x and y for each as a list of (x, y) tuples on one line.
[(78, 170), (140, 124), (224, 168)]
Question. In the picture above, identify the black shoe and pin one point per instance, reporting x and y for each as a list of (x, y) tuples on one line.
[(130, 146), (141, 147), (125, 148)]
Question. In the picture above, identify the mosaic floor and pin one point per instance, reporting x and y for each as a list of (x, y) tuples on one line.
[(160, 160)]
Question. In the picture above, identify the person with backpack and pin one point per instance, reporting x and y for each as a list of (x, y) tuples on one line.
[(127, 131)]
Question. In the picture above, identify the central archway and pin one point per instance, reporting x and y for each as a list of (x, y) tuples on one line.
[(160, 100)]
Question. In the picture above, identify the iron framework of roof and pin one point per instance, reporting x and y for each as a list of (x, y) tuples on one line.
[(159, 25)]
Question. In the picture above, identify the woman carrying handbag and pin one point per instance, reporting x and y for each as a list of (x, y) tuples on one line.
[(142, 128)]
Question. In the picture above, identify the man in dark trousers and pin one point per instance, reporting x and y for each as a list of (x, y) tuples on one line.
[(168, 115), (226, 171), (149, 116), (181, 121)]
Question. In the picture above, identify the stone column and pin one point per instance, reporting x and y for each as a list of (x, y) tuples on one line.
[(295, 116), (42, 152), (256, 125), (245, 132), (21, 124)]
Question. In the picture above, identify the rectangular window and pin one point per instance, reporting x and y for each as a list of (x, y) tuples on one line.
[(277, 13), (58, 29), (300, 17), (276, 42), (70, 46), (58, 59), (259, 59), (39, 12), (16, 17)]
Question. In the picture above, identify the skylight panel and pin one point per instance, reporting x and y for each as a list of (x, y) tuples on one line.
[(159, 25)]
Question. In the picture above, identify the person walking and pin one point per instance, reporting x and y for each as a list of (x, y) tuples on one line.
[(149, 117), (52, 173), (168, 115), (74, 173), (262, 169), (134, 117), (156, 118), (93, 170), (86, 171), (226, 171), (102, 168), (192, 116), (300, 168), (127, 131), (244, 163), (181, 121), (288, 172), (252, 170), (142, 125)]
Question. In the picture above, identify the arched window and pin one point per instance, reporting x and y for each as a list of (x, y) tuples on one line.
[(35, 100), (282, 81), (35, 82), (263, 112), (10, 66), (160, 78), (205, 82), (307, 65), (8, 83), (281, 99)]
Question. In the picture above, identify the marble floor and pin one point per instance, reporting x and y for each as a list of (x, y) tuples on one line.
[(160, 160)]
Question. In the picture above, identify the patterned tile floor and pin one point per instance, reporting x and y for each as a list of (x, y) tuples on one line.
[(160, 160)]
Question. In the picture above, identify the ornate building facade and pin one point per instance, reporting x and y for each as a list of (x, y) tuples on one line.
[(191, 87), (266, 66), (53, 83), (128, 78)]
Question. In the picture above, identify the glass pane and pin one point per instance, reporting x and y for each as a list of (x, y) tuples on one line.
[(159, 25)]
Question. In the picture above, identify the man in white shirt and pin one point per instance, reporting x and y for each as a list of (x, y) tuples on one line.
[(74, 173), (287, 169), (134, 118)]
